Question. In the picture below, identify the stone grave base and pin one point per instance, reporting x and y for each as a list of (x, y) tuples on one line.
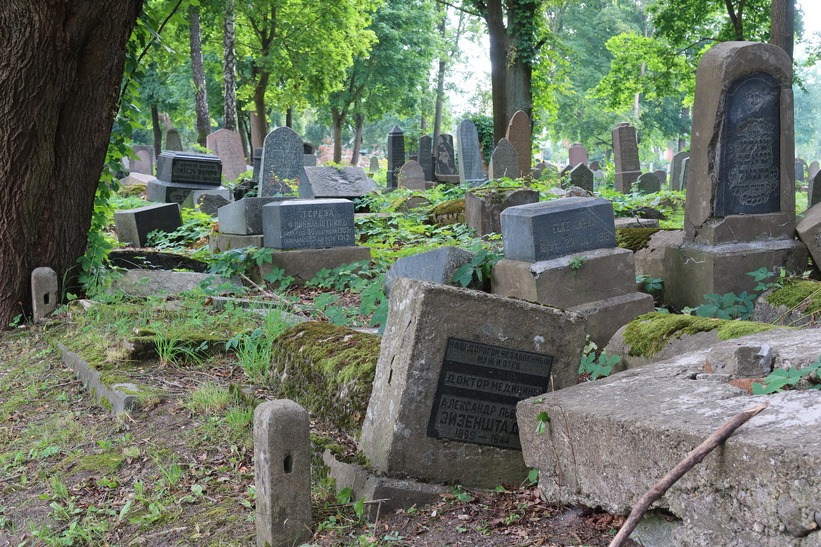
[(567, 281), (382, 495), (447, 179), (303, 264), (636, 222), (696, 270), (606, 317), (620, 435), (220, 242), (187, 195), (483, 207)]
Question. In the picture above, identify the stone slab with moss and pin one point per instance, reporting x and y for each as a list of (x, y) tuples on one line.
[(796, 304), (448, 212)]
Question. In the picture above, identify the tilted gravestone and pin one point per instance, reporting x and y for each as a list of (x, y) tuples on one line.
[(334, 182), (685, 172), (453, 365), (308, 224), (677, 170), (582, 177), (282, 162), (740, 208), (470, 154), (145, 160), (577, 154), (412, 176), (396, 155), (227, 146), (661, 174), (518, 133), (648, 183), (626, 153), (436, 266), (445, 157), (173, 141), (134, 225), (504, 162), (426, 155)]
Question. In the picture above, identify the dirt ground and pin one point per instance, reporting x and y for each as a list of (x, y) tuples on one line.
[(72, 474)]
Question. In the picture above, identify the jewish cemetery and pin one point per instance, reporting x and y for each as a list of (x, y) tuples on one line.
[(356, 274)]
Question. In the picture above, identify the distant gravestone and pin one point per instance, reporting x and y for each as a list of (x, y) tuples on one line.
[(504, 162), (412, 176), (582, 177), (189, 167), (812, 170), (445, 157), (308, 224), (145, 162), (470, 154), (44, 290), (282, 162), (396, 155), (677, 170), (373, 165), (661, 174), (227, 146), (134, 225), (333, 182), (426, 155), (594, 166), (308, 155), (648, 183), (577, 154), (257, 167), (814, 191), (173, 141), (550, 229), (626, 152), (800, 169), (685, 172), (518, 133)]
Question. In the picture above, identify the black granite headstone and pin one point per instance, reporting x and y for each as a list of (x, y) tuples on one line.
[(396, 155), (478, 389), (189, 167), (749, 169)]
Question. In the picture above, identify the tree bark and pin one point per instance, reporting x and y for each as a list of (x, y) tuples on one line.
[(359, 122), (782, 25), (229, 69), (338, 118), (200, 92), (60, 74), (497, 34), (157, 130), (261, 119)]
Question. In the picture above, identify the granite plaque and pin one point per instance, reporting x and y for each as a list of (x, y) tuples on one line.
[(189, 167), (551, 229), (749, 169), (478, 389), (445, 160), (308, 224)]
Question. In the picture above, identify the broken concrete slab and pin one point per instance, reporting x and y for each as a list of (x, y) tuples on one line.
[(147, 283)]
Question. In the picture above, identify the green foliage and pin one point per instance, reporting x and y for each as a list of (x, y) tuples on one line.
[(478, 269), (196, 226), (597, 365), (649, 283), (727, 306), (576, 264), (780, 379), (239, 261), (542, 419)]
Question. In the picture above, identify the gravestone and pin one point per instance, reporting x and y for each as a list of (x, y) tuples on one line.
[(436, 266), (211, 203), (685, 172), (308, 155), (550, 229), (582, 177), (134, 225), (282, 162), (594, 166), (334, 182), (800, 169), (44, 295), (244, 216), (189, 167), (740, 208), (445, 157), (626, 152), (504, 162), (661, 174), (453, 364), (470, 154), (484, 206), (396, 155), (518, 133), (648, 183), (812, 170), (563, 253), (282, 473), (373, 166), (412, 176), (145, 162), (173, 141), (227, 146), (814, 190), (677, 170), (426, 155), (577, 154), (308, 224), (257, 167)]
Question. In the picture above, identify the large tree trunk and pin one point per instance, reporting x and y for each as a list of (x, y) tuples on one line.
[(338, 121), (261, 119), (782, 25), (359, 122), (60, 72), (157, 130), (200, 93), (229, 69)]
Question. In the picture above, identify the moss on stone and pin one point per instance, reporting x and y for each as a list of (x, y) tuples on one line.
[(647, 334), (451, 207), (798, 293), (634, 239), (495, 193), (328, 369)]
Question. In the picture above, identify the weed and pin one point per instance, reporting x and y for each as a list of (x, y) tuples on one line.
[(542, 419), (780, 379), (173, 350), (576, 264), (597, 365), (479, 267), (649, 284)]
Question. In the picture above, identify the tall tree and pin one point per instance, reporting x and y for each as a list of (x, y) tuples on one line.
[(782, 25), (229, 69), (200, 91), (60, 72), (450, 39)]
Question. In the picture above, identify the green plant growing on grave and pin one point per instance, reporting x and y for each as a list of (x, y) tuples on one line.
[(173, 350), (597, 365), (239, 261), (542, 419), (195, 227), (781, 378), (727, 306), (576, 264), (649, 283), (479, 268)]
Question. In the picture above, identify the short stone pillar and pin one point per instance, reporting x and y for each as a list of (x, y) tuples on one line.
[(43, 293), (282, 473)]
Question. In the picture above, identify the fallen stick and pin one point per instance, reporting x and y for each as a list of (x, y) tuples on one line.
[(694, 457)]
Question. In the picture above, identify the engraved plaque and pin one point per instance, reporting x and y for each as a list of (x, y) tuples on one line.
[(189, 167), (478, 389), (308, 224), (750, 156)]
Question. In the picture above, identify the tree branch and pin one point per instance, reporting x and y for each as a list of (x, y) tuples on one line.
[(459, 8)]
